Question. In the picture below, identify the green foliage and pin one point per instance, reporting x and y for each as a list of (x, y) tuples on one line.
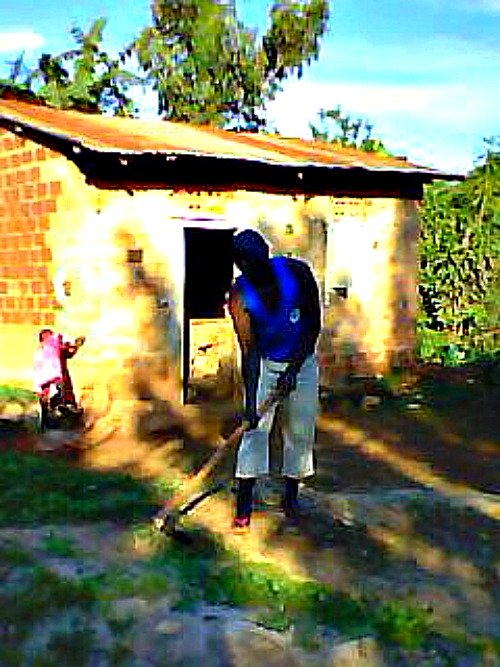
[(407, 626), (460, 252), (208, 68), (59, 545), (86, 78), (341, 129), (40, 593), (35, 489), (118, 583), (17, 84), (16, 394), (12, 554), (69, 646)]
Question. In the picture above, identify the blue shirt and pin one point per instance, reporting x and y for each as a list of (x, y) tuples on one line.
[(278, 330)]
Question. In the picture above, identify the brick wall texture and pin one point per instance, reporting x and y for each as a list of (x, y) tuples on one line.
[(26, 205)]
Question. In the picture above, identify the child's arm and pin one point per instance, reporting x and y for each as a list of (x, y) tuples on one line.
[(70, 349)]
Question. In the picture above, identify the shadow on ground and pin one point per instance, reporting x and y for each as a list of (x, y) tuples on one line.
[(402, 508), (405, 503)]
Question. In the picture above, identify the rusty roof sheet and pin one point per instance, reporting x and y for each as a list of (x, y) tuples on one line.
[(130, 135)]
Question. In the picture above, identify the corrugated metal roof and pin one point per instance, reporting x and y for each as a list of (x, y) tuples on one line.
[(133, 136)]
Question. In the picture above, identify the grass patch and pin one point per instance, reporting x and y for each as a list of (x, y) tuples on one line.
[(36, 490), (443, 396), (13, 555), (34, 596), (58, 545), (72, 646), (210, 572), (119, 583), (10, 393), (486, 647), (405, 625), (274, 619)]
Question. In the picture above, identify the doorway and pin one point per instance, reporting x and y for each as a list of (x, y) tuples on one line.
[(208, 277)]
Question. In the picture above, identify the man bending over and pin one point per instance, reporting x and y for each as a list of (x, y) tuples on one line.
[(275, 308)]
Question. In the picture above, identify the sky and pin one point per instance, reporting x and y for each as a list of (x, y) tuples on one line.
[(425, 73)]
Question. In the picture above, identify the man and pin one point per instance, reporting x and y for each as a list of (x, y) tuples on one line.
[(276, 314)]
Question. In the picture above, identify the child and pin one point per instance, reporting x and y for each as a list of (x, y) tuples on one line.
[(52, 380)]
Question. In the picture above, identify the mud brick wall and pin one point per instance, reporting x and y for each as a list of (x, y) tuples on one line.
[(53, 223), (26, 204)]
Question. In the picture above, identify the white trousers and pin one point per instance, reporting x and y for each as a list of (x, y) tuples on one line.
[(300, 409)]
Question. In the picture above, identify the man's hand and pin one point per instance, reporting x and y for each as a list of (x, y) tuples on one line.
[(251, 417), (287, 382)]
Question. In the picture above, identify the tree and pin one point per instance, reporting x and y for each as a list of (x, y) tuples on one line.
[(340, 129), (17, 84), (208, 68), (86, 78), (460, 252)]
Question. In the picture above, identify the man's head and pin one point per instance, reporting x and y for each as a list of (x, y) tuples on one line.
[(250, 253)]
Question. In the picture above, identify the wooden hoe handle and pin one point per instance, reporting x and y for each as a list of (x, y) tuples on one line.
[(193, 484)]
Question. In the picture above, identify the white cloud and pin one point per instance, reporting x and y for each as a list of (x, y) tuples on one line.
[(450, 106), (437, 125), (433, 100), (20, 40)]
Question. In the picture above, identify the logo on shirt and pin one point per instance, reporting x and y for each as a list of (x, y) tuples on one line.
[(294, 316)]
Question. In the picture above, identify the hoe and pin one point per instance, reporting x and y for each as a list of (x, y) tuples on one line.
[(190, 495)]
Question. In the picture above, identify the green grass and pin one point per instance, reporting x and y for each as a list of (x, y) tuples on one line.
[(118, 583), (71, 647), (37, 490), (33, 594), (12, 554), (187, 575), (208, 571), (403, 624), (18, 394), (59, 545)]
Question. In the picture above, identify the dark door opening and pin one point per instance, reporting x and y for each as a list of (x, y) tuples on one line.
[(209, 272)]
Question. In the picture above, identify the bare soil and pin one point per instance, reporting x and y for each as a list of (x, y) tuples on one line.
[(404, 505)]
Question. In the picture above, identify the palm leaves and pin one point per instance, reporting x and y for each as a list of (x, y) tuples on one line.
[(85, 78)]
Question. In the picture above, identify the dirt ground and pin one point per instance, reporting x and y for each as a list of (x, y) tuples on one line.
[(404, 504)]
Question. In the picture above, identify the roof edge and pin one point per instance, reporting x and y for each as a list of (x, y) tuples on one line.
[(73, 147)]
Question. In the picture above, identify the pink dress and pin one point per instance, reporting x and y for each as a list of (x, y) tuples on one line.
[(47, 363)]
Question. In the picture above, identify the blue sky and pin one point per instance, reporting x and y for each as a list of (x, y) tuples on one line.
[(426, 73)]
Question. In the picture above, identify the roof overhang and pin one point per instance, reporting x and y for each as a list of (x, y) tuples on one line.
[(111, 168)]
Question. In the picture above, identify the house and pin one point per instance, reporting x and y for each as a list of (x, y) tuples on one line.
[(120, 230)]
